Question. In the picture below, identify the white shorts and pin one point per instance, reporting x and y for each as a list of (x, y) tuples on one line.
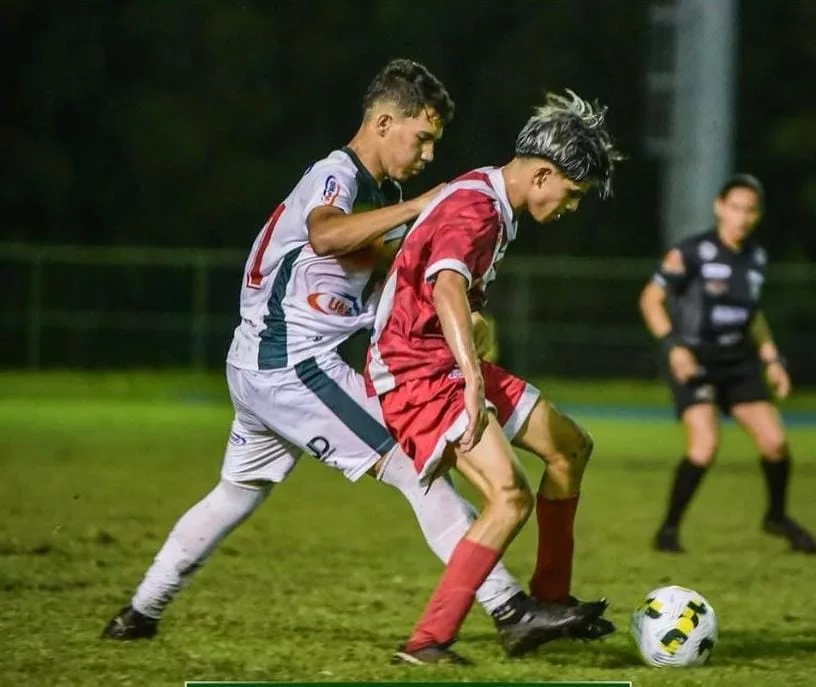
[(316, 407)]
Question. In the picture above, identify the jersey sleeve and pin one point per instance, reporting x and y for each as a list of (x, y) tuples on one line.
[(464, 240), (329, 184), (679, 267)]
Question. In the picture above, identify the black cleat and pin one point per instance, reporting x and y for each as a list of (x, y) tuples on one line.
[(800, 539), (542, 622), (428, 655), (129, 624), (597, 628), (667, 540)]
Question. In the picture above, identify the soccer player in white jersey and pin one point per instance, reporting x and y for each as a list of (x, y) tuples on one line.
[(447, 407), (306, 289)]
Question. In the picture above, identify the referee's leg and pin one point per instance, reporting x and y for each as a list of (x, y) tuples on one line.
[(694, 406), (762, 423)]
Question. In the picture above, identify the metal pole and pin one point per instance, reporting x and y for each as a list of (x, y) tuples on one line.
[(702, 114)]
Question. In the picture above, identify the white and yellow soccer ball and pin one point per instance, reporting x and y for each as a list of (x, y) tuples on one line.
[(674, 627)]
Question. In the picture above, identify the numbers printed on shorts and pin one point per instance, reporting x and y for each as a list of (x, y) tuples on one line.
[(320, 447), (255, 277)]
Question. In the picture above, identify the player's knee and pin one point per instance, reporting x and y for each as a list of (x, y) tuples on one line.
[(585, 445), (702, 451), (773, 446), (513, 504)]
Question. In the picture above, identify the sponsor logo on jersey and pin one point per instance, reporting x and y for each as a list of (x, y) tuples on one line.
[(331, 189), (755, 281), (707, 251), (716, 270), (724, 315), (760, 257), (343, 305), (716, 287)]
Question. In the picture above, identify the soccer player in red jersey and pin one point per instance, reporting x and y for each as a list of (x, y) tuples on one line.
[(447, 408)]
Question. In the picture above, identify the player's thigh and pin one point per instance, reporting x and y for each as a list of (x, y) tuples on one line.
[(702, 428), (744, 383), (492, 466), (701, 390), (323, 408), (762, 423), (256, 454), (513, 398), (548, 432)]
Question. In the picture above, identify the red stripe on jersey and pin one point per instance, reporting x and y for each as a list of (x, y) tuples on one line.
[(255, 277)]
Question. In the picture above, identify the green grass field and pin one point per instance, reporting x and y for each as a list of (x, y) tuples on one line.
[(328, 577)]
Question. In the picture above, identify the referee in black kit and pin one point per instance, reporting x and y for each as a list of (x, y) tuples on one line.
[(703, 305)]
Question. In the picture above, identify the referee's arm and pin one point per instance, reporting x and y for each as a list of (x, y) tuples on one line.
[(684, 366), (770, 356)]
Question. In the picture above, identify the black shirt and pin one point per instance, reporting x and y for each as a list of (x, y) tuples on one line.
[(712, 304)]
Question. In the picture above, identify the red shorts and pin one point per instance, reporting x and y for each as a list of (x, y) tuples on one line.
[(425, 415)]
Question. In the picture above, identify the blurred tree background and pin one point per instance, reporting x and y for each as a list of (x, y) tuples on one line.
[(183, 123)]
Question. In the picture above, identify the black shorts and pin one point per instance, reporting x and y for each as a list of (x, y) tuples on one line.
[(723, 383)]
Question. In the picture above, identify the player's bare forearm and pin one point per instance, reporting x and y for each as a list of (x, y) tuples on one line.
[(761, 332), (453, 309), (653, 309), (333, 232)]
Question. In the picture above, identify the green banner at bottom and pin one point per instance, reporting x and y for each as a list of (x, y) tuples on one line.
[(411, 684)]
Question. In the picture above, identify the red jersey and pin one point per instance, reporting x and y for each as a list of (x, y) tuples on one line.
[(466, 229)]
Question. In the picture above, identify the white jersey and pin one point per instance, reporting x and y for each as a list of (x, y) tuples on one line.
[(295, 304)]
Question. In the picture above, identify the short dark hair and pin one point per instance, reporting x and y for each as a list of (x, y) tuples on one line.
[(571, 133), (742, 181), (411, 87)]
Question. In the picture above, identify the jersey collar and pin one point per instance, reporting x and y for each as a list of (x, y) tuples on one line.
[(497, 182)]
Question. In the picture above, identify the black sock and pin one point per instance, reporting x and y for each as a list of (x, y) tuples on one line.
[(777, 474), (686, 480)]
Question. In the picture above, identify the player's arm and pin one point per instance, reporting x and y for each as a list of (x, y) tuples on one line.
[(683, 364), (453, 309), (770, 356), (334, 232)]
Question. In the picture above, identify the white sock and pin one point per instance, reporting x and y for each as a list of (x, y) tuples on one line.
[(192, 540), (444, 517)]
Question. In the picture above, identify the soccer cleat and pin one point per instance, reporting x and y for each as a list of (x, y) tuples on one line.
[(428, 655), (667, 540), (593, 629), (129, 624), (800, 539), (542, 622)]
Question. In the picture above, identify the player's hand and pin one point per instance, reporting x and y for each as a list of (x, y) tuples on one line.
[(420, 202), (779, 379), (476, 412), (684, 366)]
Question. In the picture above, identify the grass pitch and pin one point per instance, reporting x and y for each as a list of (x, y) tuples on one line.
[(327, 578)]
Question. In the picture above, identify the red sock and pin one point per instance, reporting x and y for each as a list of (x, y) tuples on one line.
[(469, 566), (553, 573)]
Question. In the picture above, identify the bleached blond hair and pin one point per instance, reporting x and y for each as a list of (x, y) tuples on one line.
[(571, 133)]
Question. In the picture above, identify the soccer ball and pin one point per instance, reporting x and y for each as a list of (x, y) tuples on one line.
[(674, 626)]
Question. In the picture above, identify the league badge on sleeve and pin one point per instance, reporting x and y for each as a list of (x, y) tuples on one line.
[(331, 189)]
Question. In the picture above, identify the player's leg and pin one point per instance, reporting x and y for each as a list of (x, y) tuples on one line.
[(444, 517), (353, 439), (492, 468), (255, 459), (762, 423), (694, 406), (536, 425), (702, 432)]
